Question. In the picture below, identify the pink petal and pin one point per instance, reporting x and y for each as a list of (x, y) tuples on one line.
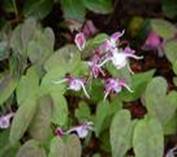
[(80, 41), (117, 35)]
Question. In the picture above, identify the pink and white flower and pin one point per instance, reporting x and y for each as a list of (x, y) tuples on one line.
[(81, 130), (110, 44), (80, 41), (95, 67), (119, 58), (115, 85), (5, 120), (75, 84)]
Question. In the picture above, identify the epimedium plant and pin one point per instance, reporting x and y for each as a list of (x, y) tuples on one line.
[(64, 99)]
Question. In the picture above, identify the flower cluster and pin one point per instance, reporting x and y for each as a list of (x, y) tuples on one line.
[(109, 51), (81, 131)]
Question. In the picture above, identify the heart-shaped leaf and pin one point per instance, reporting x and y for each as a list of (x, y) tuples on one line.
[(60, 110), (73, 146), (148, 138), (74, 10), (31, 148), (121, 133), (164, 107), (57, 148), (101, 114), (21, 121), (164, 28), (38, 9), (40, 126)]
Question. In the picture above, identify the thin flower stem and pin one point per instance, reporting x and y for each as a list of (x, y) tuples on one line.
[(129, 69), (104, 62), (60, 81), (135, 57), (85, 92)]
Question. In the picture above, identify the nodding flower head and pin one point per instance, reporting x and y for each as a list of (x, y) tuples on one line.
[(80, 41), (110, 44), (82, 130), (152, 42), (75, 84), (115, 85), (95, 67), (5, 120)]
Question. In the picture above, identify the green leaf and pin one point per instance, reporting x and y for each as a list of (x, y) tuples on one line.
[(57, 148), (73, 9), (164, 107), (120, 133), (83, 113), (28, 87), (60, 110), (31, 148), (21, 121), (7, 87), (96, 90), (21, 36), (73, 146), (28, 30), (164, 28), (38, 9), (41, 47), (170, 51), (67, 57), (6, 148), (148, 138), (40, 126), (101, 114), (170, 127), (99, 6), (139, 83)]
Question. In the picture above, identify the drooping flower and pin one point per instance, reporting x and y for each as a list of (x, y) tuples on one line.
[(75, 84), (95, 67), (115, 85), (153, 41), (5, 120), (82, 130), (80, 41)]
